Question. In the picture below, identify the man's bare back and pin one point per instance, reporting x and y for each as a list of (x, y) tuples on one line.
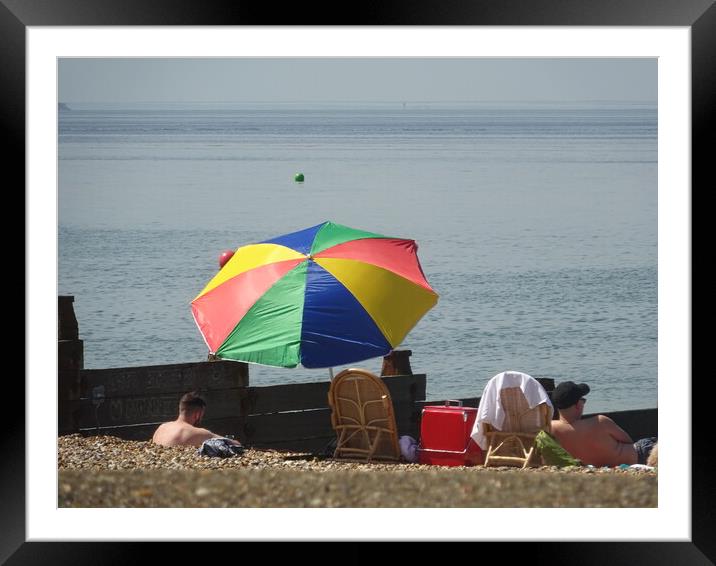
[(597, 440), (184, 430), (180, 433)]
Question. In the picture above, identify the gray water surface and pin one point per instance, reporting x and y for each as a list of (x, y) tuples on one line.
[(536, 225)]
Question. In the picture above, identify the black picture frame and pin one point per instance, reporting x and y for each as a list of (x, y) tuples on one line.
[(698, 15)]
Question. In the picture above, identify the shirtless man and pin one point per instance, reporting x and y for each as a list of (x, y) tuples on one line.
[(597, 440), (184, 431)]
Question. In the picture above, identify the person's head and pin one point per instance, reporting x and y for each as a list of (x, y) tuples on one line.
[(192, 407), (568, 397)]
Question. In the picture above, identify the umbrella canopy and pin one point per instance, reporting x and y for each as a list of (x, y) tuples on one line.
[(324, 296)]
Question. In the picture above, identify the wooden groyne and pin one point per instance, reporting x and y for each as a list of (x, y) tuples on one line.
[(131, 402)]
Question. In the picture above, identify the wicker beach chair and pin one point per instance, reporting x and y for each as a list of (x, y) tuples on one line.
[(362, 416), (514, 445)]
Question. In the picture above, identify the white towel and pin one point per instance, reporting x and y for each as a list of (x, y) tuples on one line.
[(490, 409)]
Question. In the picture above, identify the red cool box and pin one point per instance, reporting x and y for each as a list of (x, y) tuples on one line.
[(445, 435)]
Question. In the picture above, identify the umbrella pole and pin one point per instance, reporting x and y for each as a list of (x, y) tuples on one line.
[(330, 373)]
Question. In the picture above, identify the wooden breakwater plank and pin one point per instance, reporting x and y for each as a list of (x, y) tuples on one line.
[(162, 379), (287, 426), (145, 431), (70, 354), (141, 432), (290, 397), (69, 364), (67, 327), (297, 416), (143, 408), (316, 445), (406, 387), (300, 425), (299, 396)]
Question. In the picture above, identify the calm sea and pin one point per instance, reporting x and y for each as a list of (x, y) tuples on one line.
[(536, 225)]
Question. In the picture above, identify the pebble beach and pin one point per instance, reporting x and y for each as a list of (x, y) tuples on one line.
[(104, 471)]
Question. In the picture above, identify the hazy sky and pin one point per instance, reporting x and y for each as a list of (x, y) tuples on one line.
[(347, 80)]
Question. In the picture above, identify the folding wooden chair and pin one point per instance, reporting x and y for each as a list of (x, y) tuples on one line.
[(514, 445), (363, 418)]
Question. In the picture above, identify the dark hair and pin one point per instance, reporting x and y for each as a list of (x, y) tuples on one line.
[(191, 402), (567, 393)]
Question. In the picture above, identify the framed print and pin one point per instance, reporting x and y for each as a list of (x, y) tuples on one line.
[(35, 36)]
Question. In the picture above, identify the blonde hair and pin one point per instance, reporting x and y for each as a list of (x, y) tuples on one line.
[(653, 458)]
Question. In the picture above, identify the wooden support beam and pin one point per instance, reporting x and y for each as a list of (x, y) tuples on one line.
[(145, 408), (164, 379)]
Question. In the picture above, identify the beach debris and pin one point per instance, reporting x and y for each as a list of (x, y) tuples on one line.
[(642, 467), (298, 177)]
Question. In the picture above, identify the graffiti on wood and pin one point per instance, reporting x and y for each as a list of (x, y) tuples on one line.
[(143, 409), (167, 378)]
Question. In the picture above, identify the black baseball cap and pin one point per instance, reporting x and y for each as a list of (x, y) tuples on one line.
[(568, 393)]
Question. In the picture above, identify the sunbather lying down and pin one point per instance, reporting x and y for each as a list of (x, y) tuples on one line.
[(184, 431), (597, 440)]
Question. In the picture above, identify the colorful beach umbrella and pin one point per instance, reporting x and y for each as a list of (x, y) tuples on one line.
[(325, 296)]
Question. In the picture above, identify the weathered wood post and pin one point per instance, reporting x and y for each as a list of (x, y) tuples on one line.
[(70, 360), (548, 384), (397, 363)]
